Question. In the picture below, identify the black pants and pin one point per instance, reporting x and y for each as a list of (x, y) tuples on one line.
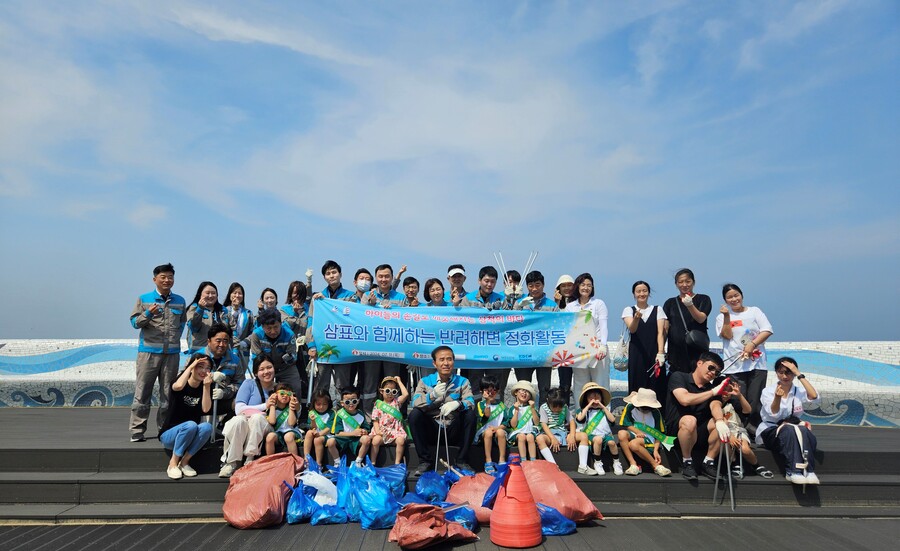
[(786, 444), (752, 384), (424, 430)]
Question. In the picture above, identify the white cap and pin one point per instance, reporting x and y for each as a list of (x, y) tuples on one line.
[(455, 271), (565, 278)]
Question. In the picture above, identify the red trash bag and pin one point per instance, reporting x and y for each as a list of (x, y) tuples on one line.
[(552, 487), (257, 496), (472, 489), (420, 525)]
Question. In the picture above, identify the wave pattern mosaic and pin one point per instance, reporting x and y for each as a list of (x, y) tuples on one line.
[(856, 389)]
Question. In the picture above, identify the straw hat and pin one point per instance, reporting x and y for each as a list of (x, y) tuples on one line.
[(643, 398), (605, 397), (386, 380), (520, 385)]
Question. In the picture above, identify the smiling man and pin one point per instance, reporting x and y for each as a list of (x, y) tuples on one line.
[(442, 397)]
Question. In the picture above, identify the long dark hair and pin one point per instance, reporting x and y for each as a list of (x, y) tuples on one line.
[(217, 308), (227, 300)]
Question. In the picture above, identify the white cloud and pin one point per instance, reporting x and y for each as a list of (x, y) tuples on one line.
[(145, 215)]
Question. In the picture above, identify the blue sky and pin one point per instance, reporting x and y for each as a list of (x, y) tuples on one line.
[(755, 142)]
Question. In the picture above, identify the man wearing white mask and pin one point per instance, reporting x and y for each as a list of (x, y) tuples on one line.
[(446, 398)]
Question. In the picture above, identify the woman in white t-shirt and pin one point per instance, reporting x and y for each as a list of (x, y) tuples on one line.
[(647, 343), (781, 429), (585, 300), (744, 331)]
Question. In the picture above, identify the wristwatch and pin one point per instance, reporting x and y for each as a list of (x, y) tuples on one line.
[(801, 376)]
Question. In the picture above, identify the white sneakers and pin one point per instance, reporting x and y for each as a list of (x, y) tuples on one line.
[(617, 468), (228, 469), (174, 473), (811, 478), (598, 466), (585, 470), (796, 478), (662, 470), (187, 470)]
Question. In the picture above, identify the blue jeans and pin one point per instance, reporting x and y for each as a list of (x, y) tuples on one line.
[(186, 438)]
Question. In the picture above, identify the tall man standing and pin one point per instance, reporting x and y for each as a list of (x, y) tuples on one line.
[(160, 315)]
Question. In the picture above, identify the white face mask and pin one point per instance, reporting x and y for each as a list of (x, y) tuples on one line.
[(364, 285)]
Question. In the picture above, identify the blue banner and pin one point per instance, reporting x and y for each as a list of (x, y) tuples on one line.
[(347, 332)]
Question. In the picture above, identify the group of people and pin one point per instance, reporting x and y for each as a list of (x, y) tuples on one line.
[(667, 355)]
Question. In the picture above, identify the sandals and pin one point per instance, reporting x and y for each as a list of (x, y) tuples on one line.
[(762, 471), (737, 472), (490, 467)]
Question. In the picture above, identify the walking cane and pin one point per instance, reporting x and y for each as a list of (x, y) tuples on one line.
[(311, 368)]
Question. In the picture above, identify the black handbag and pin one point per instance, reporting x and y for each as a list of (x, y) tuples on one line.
[(694, 338)]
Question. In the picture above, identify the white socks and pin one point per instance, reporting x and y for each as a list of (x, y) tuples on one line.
[(548, 455), (583, 455)]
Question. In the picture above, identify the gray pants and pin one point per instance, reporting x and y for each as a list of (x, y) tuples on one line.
[(150, 368)]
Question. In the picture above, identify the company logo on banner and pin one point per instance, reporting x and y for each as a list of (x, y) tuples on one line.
[(347, 332)]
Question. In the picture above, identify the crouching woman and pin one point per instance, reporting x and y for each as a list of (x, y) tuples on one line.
[(189, 400)]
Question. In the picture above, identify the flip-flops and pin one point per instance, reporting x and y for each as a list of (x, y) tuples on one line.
[(762, 471), (490, 467)]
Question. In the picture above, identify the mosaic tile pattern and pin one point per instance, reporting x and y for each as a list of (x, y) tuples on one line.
[(859, 381)]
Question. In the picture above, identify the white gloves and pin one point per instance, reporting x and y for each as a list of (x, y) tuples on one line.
[(218, 377), (722, 429), (721, 388), (309, 273), (527, 302), (661, 359), (687, 300), (440, 390), (218, 394), (449, 408), (602, 351)]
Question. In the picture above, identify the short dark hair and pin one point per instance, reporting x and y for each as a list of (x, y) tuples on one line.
[(269, 316), (329, 264), (384, 267), (489, 381), (409, 280), (217, 328), (301, 290), (556, 398), (731, 287), (322, 393), (685, 271), (227, 300), (534, 276), (431, 282), (640, 282), (581, 279), (284, 386), (439, 349), (489, 271), (348, 390), (711, 357), (362, 271), (268, 290), (162, 268), (258, 360), (514, 276), (779, 363)]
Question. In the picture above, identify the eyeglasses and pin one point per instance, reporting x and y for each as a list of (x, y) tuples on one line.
[(490, 390), (285, 393), (714, 367), (350, 402), (391, 391)]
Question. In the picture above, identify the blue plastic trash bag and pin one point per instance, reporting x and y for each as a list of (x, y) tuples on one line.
[(346, 499), (395, 476), (329, 514), (378, 506), (325, 492), (300, 507), (432, 487), (311, 465), (411, 497), (553, 523), (491, 494), (463, 514), (452, 478)]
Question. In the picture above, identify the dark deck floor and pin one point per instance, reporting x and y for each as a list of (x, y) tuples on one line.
[(643, 534)]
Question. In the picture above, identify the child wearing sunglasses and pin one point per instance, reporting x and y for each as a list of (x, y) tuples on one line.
[(320, 419), (388, 425), (350, 429), (492, 421), (282, 416)]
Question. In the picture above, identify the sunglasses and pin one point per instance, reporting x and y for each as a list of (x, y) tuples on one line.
[(714, 367), (391, 391), (285, 393), (350, 402)]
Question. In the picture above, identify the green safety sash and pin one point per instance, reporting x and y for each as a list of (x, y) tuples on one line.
[(285, 413), (317, 419), (523, 420), (496, 412), (592, 424), (348, 419), (395, 413), (665, 440)]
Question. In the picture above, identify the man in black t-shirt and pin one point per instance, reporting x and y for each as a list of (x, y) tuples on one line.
[(688, 411)]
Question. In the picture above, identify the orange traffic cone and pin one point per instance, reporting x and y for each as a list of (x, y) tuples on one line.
[(515, 521)]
